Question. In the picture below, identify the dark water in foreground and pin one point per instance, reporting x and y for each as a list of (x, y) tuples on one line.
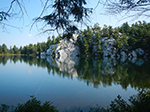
[(71, 84)]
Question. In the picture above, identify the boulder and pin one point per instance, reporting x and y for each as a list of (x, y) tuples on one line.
[(107, 47), (65, 49), (139, 62)]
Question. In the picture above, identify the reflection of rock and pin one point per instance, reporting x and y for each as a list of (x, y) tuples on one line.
[(123, 54), (43, 54), (123, 59), (140, 51), (133, 60), (108, 66), (134, 54), (139, 62), (67, 65)]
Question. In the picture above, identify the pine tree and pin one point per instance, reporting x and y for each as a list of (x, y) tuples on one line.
[(98, 42)]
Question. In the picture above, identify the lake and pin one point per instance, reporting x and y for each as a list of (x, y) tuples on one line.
[(72, 84)]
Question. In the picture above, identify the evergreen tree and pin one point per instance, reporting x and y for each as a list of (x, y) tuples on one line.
[(15, 49), (49, 42), (98, 42), (11, 51), (85, 47), (105, 31), (4, 49), (53, 41), (1, 49)]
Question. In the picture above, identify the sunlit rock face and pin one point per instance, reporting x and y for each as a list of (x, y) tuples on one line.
[(69, 49), (65, 49), (107, 47), (50, 50)]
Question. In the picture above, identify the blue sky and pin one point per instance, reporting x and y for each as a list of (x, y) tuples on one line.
[(24, 36)]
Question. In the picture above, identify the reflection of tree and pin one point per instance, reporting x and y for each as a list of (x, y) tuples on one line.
[(108, 72), (96, 72), (4, 59)]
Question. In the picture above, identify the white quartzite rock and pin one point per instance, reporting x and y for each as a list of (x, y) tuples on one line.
[(65, 49), (107, 46), (50, 50)]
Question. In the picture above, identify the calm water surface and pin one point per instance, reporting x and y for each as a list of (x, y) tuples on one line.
[(71, 84)]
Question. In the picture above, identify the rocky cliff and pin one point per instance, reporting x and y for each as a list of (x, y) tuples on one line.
[(68, 50)]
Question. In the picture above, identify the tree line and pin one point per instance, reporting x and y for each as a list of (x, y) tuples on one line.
[(128, 37), (31, 49), (94, 72)]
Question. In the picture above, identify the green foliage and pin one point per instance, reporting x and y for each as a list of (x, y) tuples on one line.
[(121, 43), (54, 50), (4, 108), (4, 49), (85, 47), (105, 31), (119, 105), (65, 14), (136, 36), (31, 49), (1, 49), (97, 109), (138, 103), (98, 42), (15, 50), (32, 105)]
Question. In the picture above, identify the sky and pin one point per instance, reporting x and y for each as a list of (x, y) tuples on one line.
[(22, 35)]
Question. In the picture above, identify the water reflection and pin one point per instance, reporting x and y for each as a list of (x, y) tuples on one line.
[(104, 72)]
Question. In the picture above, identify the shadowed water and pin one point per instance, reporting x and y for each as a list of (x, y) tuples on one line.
[(71, 84)]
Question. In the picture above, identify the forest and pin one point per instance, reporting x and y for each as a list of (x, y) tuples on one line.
[(128, 37)]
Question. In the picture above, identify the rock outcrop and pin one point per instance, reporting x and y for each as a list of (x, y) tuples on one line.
[(66, 49), (109, 49)]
